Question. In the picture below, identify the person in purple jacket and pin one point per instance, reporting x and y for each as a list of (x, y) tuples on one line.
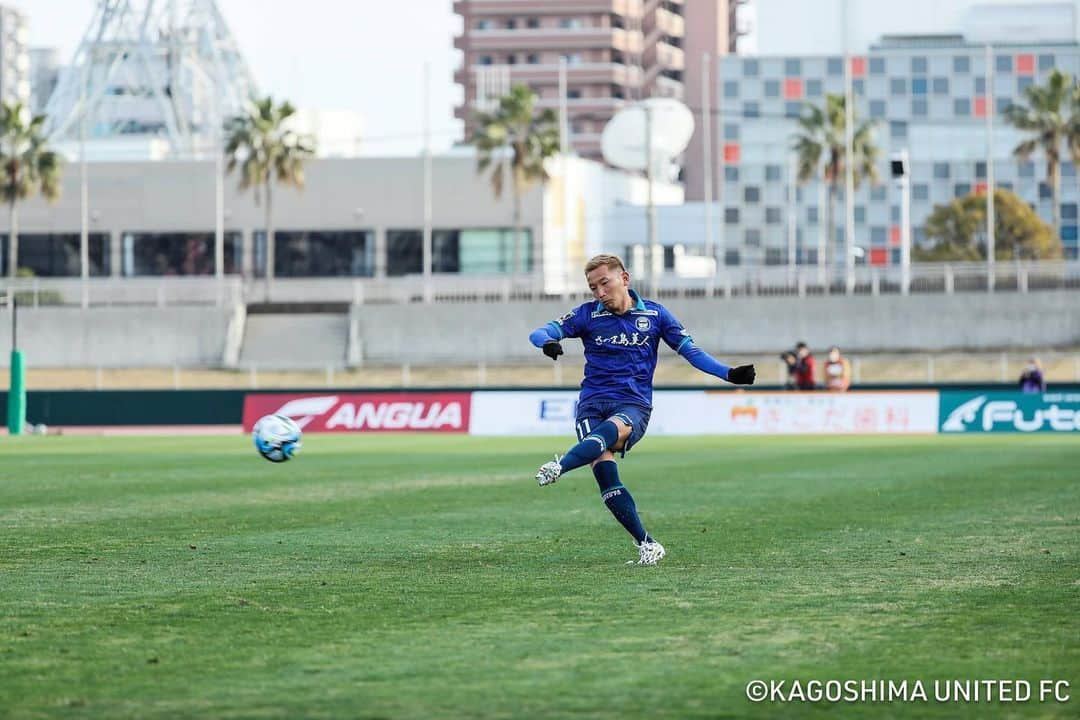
[(621, 333), (1032, 380)]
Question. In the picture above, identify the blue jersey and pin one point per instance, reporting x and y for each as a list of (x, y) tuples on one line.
[(620, 350)]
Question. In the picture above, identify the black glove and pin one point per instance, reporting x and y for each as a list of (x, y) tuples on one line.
[(552, 349), (742, 375)]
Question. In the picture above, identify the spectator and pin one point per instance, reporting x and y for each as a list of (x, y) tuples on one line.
[(1032, 380), (837, 369), (800, 367)]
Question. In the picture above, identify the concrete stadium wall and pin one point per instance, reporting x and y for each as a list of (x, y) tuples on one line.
[(974, 321), (117, 337)]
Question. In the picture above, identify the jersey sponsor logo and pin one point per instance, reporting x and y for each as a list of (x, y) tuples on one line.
[(644, 312), (600, 313), (562, 320), (642, 324), (622, 340)]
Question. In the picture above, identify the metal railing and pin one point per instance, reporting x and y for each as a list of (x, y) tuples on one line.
[(781, 280)]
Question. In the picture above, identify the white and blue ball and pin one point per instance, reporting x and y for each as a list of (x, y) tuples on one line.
[(276, 437)]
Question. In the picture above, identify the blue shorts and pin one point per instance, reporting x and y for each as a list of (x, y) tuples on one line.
[(594, 413)]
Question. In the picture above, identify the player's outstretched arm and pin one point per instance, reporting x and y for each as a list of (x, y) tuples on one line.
[(703, 361), (545, 338)]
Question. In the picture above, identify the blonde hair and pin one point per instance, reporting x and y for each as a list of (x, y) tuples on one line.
[(611, 261)]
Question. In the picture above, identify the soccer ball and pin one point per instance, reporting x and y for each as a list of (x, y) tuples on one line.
[(276, 437)]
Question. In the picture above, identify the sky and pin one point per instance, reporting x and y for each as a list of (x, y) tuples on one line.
[(369, 55), (362, 55)]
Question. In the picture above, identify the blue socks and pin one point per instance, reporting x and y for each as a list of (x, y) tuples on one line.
[(618, 499), (591, 446)]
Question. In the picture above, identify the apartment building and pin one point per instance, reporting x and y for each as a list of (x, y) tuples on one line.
[(616, 51), (14, 57)]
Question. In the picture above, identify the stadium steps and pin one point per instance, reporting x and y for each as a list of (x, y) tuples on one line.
[(295, 340)]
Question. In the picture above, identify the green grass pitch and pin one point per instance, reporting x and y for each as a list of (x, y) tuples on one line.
[(420, 577)]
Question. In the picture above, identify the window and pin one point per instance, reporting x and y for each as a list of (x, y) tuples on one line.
[(961, 190), (751, 194), (898, 86), (878, 235), (878, 193), (941, 86), (1023, 82), (572, 58), (941, 171), (1003, 63), (532, 23), (860, 214), (813, 88), (322, 253), (731, 216), (511, 24), (479, 251), (877, 108), (752, 237), (897, 130), (919, 107), (1045, 192), (920, 191), (772, 173), (775, 256), (792, 67), (731, 131), (858, 87), (877, 66), (961, 106), (1068, 211), (812, 215), (57, 254), (918, 65), (1069, 234), (751, 110), (1003, 104), (918, 86), (571, 23), (772, 216), (731, 257), (980, 169), (961, 64), (532, 59), (485, 60), (731, 88), (834, 66), (810, 256), (792, 109), (511, 59), (404, 252), (772, 88), (1046, 62), (980, 85), (894, 213), (1025, 169), (750, 68), (178, 253), (731, 173), (575, 94), (1068, 169), (484, 24)]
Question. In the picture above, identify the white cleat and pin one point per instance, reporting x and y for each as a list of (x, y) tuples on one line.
[(651, 553), (549, 472)]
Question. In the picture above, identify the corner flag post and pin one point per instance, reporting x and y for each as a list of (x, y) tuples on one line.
[(16, 409)]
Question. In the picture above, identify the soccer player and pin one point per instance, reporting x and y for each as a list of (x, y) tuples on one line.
[(621, 333)]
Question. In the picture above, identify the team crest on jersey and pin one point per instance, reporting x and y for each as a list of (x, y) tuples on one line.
[(642, 324)]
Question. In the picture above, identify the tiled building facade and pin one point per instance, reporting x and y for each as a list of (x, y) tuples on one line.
[(929, 96)]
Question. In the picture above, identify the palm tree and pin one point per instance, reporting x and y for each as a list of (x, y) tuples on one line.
[(259, 142), (514, 133), (1052, 116), (821, 140), (28, 165)]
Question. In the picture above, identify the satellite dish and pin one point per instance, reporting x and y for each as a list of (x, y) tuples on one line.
[(624, 144)]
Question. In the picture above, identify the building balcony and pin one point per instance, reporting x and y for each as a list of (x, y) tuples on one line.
[(548, 74), (548, 7), (550, 39)]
